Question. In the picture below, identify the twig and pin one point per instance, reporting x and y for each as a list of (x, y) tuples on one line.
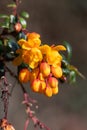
[(5, 95)]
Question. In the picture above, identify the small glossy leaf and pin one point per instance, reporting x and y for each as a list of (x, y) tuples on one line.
[(2, 70), (12, 18), (21, 36), (72, 78), (4, 16), (5, 24), (25, 14), (69, 50), (1, 43), (64, 63), (1, 47), (13, 5), (66, 71), (23, 22), (12, 46)]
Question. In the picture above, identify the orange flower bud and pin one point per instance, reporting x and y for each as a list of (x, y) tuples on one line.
[(48, 91), (45, 69), (18, 27), (42, 86), (56, 71), (34, 74), (41, 76), (53, 82), (36, 85), (24, 75), (55, 90)]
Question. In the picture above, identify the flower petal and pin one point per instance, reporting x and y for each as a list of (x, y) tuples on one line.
[(59, 48), (45, 49)]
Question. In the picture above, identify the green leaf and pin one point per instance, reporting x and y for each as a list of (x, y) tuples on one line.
[(2, 70), (21, 36), (72, 78), (12, 18), (73, 68), (25, 14), (1, 47), (5, 23), (66, 71), (4, 16), (13, 5), (23, 22), (69, 50), (1, 43)]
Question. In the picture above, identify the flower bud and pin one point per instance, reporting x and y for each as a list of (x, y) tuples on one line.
[(41, 77), (56, 71), (36, 85), (18, 27), (45, 69), (24, 75), (55, 90), (34, 74), (48, 91), (53, 82), (42, 86)]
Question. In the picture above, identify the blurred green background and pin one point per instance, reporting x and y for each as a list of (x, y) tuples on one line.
[(56, 20)]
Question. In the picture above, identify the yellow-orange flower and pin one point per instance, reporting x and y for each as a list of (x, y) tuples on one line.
[(32, 57), (24, 75), (56, 71), (29, 52), (51, 54), (33, 40), (45, 69)]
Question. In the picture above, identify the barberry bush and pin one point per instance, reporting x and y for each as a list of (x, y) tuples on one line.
[(44, 67)]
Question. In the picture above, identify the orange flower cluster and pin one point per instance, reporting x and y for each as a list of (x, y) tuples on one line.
[(44, 62)]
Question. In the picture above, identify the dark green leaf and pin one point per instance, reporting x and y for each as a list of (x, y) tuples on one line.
[(5, 24), (4, 16), (69, 50), (2, 70), (25, 14), (72, 78), (1, 43), (66, 71), (12, 46), (21, 35), (1, 47), (23, 22)]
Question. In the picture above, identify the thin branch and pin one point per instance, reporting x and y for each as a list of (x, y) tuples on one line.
[(5, 95)]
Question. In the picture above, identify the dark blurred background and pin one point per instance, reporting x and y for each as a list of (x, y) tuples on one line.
[(56, 20)]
